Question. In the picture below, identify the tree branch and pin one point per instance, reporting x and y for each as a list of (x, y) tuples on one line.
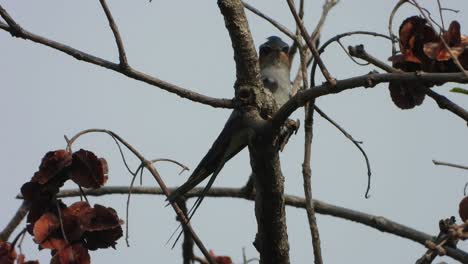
[(306, 170), (15, 221), (275, 23), (310, 44), (272, 239), (445, 103), (436, 162), (115, 31), (368, 80), (19, 32), (378, 222), (245, 55), (149, 166), (442, 101)]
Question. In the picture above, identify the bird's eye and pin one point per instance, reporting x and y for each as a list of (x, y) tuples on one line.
[(285, 49), (265, 50)]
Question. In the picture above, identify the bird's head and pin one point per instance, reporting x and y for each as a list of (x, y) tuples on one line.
[(274, 51)]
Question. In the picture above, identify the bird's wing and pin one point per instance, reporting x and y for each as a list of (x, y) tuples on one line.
[(231, 140)]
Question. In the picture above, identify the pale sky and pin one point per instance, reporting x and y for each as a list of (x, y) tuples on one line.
[(46, 94)]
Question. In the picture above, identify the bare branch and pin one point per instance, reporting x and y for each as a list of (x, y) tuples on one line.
[(275, 23), (245, 55), (310, 44), (393, 37), (447, 48), (378, 222), (442, 101), (367, 80), (306, 170), (436, 162), (17, 31), (296, 81), (327, 6), (115, 31), (15, 221), (445, 103)]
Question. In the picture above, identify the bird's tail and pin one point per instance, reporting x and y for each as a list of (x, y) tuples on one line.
[(193, 181)]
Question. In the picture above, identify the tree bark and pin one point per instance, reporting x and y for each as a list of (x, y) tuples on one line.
[(272, 238)]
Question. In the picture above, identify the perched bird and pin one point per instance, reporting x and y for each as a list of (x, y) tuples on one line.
[(275, 70)]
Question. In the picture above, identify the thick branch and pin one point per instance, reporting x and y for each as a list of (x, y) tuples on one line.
[(367, 80), (130, 72), (442, 101), (378, 222), (245, 55), (271, 240)]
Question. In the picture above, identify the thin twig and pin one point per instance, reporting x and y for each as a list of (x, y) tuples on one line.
[(310, 44), (327, 6), (149, 166), (127, 208), (446, 46), (349, 55), (184, 168), (187, 244), (429, 15), (393, 37), (440, 14), (378, 222), (62, 229), (115, 31), (275, 23), (297, 79), (17, 31), (295, 45), (306, 168), (436, 162), (442, 101)]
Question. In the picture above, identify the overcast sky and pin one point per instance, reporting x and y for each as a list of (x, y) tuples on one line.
[(46, 94)]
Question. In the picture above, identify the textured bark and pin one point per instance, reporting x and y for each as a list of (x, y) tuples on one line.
[(256, 105), (272, 237)]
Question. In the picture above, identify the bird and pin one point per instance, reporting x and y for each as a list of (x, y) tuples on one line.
[(275, 74)]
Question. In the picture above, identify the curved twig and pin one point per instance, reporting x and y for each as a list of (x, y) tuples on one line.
[(393, 37), (149, 166), (184, 168), (356, 143)]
